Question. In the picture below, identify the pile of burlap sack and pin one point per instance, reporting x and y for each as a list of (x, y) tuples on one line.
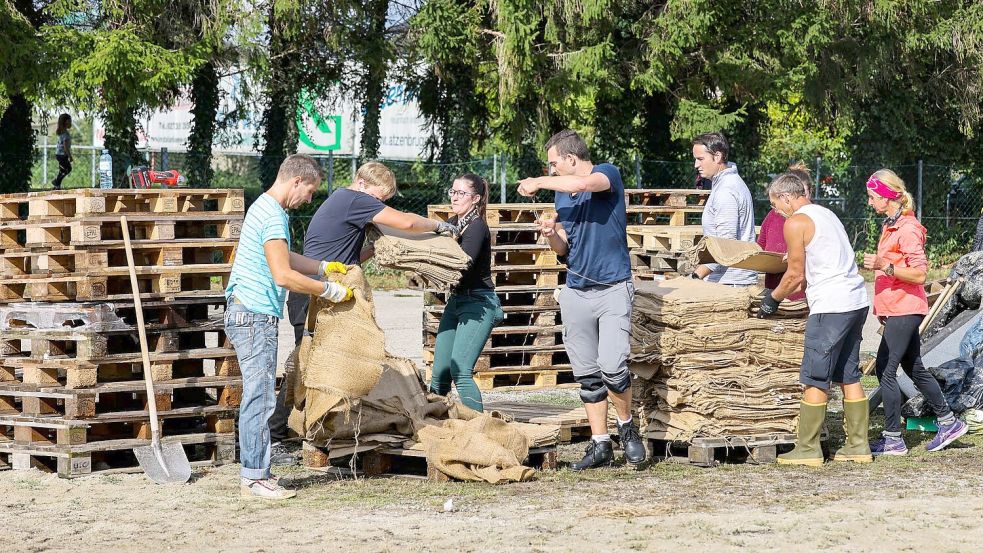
[(708, 367), (349, 395), (432, 261)]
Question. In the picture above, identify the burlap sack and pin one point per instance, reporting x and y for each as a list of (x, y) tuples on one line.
[(481, 449), (682, 302), (345, 359), (434, 261), (736, 253)]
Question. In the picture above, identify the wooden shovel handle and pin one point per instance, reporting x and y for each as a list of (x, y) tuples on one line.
[(144, 350)]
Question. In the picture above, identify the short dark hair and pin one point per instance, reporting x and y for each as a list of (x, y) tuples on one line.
[(300, 165), (715, 143), (568, 142)]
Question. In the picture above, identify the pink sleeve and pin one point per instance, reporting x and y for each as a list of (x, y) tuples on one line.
[(911, 244)]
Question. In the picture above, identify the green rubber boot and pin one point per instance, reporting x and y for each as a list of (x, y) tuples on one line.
[(807, 450), (856, 424)]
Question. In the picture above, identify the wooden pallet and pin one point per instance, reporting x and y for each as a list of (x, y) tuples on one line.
[(516, 316), (90, 201), (528, 275), (114, 284), (505, 257), (501, 214), (503, 336), (572, 421), (95, 230), (72, 374), (672, 197), (43, 400), (521, 378), (527, 357), (384, 461), (63, 450), (659, 262), (509, 296), (96, 259), (710, 452), (658, 238)]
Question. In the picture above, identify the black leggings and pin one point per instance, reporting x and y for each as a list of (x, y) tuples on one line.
[(901, 345), (64, 168)]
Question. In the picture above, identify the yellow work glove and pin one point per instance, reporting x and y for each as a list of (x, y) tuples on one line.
[(327, 267)]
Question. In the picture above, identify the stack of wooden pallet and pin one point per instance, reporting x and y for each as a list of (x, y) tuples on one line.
[(527, 350), (72, 397), (666, 225)]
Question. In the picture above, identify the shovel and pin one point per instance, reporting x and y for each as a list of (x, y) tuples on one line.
[(163, 463)]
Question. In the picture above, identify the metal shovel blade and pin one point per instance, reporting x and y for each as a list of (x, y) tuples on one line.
[(164, 463)]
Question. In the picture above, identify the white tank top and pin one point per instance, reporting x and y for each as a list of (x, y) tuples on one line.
[(833, 283)]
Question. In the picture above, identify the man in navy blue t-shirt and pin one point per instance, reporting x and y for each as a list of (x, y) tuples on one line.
[(589, 235)]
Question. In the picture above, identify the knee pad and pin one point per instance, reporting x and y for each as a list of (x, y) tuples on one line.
[(617, 382), (592, 388)]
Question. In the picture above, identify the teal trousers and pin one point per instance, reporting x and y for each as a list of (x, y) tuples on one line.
[(467, 322)]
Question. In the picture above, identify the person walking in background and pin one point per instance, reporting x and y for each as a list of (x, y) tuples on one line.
[(63, 149), (263, 270), (821, 258), (900, 304), (729, 211), (473, 308), (589, 236), (772, 235)]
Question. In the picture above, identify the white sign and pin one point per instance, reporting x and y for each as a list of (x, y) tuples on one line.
[(320, 130)]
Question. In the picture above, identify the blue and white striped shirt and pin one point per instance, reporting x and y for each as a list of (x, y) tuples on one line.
[(729, 213), (252, 281)]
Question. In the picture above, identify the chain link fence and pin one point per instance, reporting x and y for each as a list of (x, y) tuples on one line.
[(948, 199)]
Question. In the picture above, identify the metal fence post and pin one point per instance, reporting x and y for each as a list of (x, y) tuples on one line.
[(920, 166), (92, 174), (330, 171), (163, 159), (819, 166), (494, 170), (354, 168), (502, 199), (638, 172), (44, 160)]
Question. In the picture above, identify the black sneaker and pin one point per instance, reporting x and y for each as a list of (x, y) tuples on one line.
[(281, 456), (598, 454), (631, 443)]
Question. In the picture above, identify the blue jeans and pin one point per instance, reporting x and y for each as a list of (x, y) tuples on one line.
[(254, 337), (464, 328)]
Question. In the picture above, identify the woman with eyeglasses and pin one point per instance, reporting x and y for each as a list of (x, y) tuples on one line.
[(473, 308), (900, 304)]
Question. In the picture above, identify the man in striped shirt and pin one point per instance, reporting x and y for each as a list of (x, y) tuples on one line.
[(263, 271), (729, 212)]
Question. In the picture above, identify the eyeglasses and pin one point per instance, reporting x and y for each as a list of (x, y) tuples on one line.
[(462, 193)]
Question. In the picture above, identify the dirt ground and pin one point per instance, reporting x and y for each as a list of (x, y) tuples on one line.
[(924, 502)]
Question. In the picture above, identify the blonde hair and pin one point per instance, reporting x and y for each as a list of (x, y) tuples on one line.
[(894, 182), (800, 170), (377, 174), (788, 183)]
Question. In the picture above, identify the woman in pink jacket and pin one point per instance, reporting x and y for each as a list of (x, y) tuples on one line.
[(900, 267)]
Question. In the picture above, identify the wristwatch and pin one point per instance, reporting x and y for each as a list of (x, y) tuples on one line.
[(889, 270)]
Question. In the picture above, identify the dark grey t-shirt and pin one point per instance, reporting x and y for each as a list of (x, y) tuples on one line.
[(337, 230)]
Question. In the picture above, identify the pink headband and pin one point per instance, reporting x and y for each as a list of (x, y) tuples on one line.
[(881, 189)]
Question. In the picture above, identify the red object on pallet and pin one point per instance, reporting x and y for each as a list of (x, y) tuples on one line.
[(143, 177)]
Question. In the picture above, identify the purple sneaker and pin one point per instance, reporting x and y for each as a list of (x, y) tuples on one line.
[(947, 435), (888, 445)]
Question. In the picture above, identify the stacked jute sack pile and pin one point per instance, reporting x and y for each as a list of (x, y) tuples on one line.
[(708, 366), (349, 395), (433, 261)]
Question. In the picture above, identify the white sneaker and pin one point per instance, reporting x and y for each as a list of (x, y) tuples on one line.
[(268, 489)]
